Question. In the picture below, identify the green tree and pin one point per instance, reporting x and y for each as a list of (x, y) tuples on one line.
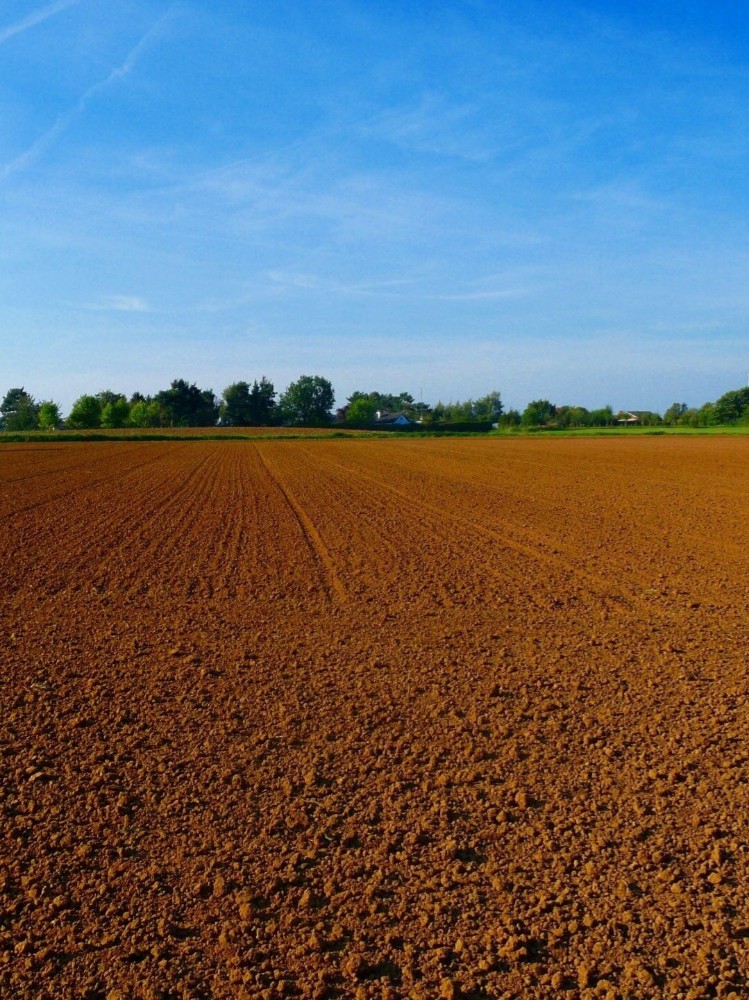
[(361, 395), (86, 413), (690, 417), (361, 411), (263, 405), (404, 403), (388, 402), (706, 416), (185, 405), (19, 411), (243, 406), (538, 413), (422, 411), (307, 402), (571, 416), (459, 412), (488, 407), (235, 407), (49, 415), (139, 413), (450, 413), (484, 408), (603, 417), (675, 414), (115, 412), (732, 406), (510, 418), (145, 413), (108, 396)]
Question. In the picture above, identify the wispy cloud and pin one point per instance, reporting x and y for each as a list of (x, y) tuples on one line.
[(36, 18), (433, 125), (296, 281), (121, 303), (414, 288), (626, 195), (64, 121), (497, 293)]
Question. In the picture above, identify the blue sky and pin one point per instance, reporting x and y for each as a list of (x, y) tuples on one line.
[(550, 199)]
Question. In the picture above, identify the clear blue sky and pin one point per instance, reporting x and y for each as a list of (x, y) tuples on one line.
[(547, 198)]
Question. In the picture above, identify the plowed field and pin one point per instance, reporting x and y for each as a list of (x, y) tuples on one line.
[(375, 719)]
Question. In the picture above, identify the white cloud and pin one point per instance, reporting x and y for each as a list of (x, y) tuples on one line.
[(36, 18), (121, 303), (498, 293), (64, 120)]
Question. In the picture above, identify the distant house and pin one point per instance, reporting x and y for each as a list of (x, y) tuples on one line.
[(628, 418), (385, 419)]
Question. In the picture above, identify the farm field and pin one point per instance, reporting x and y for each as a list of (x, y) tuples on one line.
[(460, 718)]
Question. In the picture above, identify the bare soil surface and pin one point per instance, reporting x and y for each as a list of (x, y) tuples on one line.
[(375, 719)]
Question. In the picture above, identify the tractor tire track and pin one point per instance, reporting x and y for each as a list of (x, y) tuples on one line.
[(595, 584), (317, 547)]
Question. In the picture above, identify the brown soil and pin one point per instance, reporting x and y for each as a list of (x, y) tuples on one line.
[(374, 719)]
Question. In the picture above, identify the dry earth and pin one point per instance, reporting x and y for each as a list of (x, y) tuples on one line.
[(374, 719)]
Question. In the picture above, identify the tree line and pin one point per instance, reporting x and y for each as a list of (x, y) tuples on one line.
[(308, 402), (362, 408), (732, 408)]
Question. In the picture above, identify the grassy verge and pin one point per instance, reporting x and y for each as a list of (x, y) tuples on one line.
[(209, 434), (624, 432), (302, 434)]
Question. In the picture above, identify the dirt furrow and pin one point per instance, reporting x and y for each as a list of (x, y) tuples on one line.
[(603, 587), (66, 492), (476, 776)]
